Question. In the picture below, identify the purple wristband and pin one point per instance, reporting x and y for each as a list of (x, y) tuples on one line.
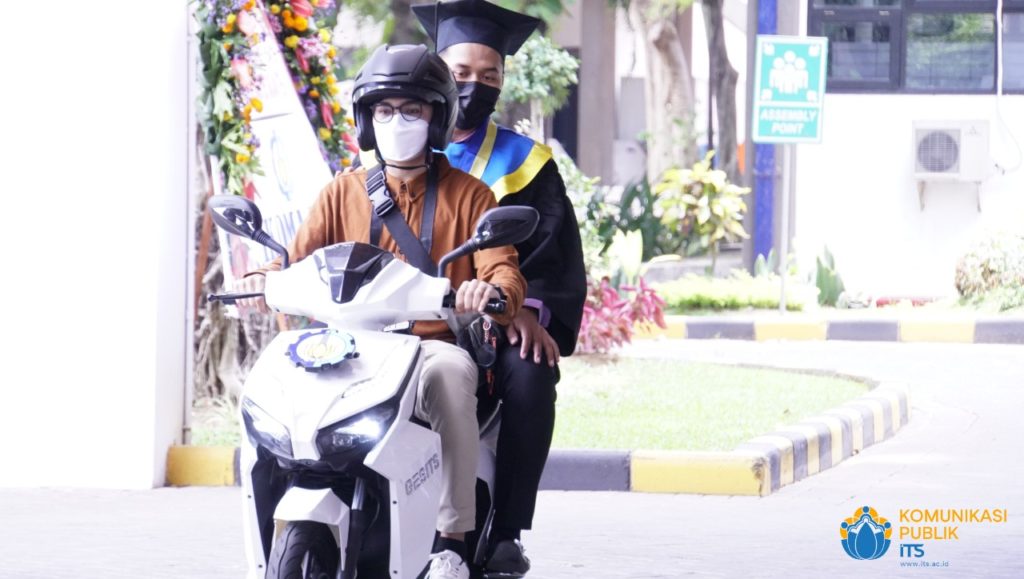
[(543, 313)]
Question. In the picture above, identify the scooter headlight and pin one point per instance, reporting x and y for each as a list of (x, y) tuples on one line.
[(263, 430), (357, 433)]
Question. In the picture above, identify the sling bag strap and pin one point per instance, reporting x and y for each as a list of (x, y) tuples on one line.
[(386, 214)]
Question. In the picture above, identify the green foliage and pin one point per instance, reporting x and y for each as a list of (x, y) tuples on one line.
[(830, 285), (542, 72), (640, 211), (596, 218), (738, 291), (702, 206), (992, 271), (546, 10)]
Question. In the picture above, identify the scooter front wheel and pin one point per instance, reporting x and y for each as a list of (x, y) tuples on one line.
[(304, 550)]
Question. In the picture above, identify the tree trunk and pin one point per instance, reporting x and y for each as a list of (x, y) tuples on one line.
[(723, 82), (407, 29), (668, 89)]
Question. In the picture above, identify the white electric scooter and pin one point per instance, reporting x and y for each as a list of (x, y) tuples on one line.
[(338, 476)]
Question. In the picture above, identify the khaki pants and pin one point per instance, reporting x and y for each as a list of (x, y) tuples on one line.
[(447, 400)]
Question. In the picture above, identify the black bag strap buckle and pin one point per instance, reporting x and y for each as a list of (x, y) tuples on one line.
[(376, 188)]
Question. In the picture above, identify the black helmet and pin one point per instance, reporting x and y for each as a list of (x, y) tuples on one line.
[(405, 70)]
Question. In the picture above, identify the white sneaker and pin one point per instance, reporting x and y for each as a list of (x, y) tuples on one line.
[(447, 565)]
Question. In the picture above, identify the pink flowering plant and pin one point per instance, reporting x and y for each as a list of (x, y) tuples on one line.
[(229, 88), (610, 317)]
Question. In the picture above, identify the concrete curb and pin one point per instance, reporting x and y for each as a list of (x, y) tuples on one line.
[(758, 467), (957, 330)]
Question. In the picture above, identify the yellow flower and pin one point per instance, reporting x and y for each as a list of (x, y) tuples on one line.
[(346, 162), (331, 52), (331, 79), (227, 46), (247, 136), (249, 5), (351, 122), (292, 41), (241, 158), (325, 134), (336, 107), (334, 90), (228, 28), (257, 104), (314, 94), (300, 24), (232, 18), (275, 9), (227, 115), (315, 80), (325, 35)]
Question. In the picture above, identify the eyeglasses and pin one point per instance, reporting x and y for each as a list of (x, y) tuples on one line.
[(411, 111)]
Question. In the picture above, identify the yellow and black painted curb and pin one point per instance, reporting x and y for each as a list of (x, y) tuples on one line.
[(757, 467), (959, 330)]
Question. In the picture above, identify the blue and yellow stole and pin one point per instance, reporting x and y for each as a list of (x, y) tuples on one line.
[(500, 157)]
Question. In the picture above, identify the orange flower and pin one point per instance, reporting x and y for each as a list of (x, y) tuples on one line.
[(336, 107), (227, 46), (299, 23), (247, 113), (331, 53), (249, 5), (346, 162), (228, 28), (314, 94)]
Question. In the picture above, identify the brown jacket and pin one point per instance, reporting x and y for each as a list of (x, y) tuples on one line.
[(342, 213)]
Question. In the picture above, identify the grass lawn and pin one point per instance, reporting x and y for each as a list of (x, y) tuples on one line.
[(671, 405), (642, 404)]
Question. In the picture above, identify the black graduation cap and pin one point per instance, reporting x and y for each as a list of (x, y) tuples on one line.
[(475, 21)]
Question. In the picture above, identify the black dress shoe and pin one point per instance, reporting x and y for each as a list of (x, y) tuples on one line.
[(508, 561)]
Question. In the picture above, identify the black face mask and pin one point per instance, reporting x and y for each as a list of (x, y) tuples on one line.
[(476, 103)]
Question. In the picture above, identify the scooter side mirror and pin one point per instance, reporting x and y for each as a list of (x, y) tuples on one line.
[(242, 217), (495, 228), (236, 215), (504, 226)]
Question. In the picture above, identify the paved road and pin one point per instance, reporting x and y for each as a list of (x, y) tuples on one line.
[(962, 449)]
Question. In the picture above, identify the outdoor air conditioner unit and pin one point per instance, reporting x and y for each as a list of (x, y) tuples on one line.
[(951, 151)]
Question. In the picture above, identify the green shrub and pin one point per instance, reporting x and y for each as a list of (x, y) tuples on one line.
[(996, 262), (738, 291)]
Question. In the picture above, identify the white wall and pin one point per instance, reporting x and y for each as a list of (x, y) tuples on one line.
[(94, 235), (856, 193)]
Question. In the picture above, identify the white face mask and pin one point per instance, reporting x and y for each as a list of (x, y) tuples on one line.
[(400, 140)]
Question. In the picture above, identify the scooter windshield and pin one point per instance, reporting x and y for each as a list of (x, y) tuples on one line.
[(348, 266)]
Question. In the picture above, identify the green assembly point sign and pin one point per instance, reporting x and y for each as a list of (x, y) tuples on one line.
[(790, 89)]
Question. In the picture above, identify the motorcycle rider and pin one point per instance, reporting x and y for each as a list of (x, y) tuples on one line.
[(474, 37), (405, 103)]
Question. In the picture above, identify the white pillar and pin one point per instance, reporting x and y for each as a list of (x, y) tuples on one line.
[(94, 235)]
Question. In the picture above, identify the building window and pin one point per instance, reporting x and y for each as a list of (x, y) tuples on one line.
[(951, 52), (922, 46), (1013, 52)]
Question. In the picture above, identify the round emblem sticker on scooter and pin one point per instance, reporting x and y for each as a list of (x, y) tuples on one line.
[(322, 350)]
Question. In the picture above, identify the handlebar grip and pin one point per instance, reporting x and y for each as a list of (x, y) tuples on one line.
[(230, 299)]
